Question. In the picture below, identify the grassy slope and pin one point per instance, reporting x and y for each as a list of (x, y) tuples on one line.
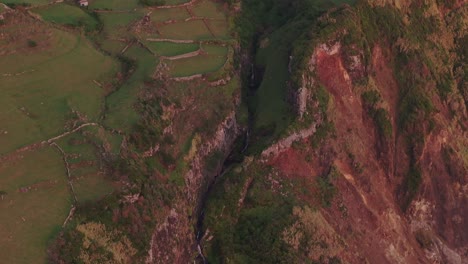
[(171, 49), (31, 2), (58, 78), (67, 15), (121, 113), (35, 105), (117, 5), (29, 220), (272, 108)]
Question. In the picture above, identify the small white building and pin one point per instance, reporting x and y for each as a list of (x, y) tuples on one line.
[(83, 3)]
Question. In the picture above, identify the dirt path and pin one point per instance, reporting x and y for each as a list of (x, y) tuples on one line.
[(67, 166), (17, 74), (183, 56), (17, 153), (172, 40), (187, 78), (190, 3), (51, 140)]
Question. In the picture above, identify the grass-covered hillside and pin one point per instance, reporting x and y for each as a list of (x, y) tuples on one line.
[(358, 177), (100, 104)]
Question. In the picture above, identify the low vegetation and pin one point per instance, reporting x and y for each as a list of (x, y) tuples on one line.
[(68, 15)]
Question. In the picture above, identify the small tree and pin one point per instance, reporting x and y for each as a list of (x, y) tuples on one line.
[(2, 193)]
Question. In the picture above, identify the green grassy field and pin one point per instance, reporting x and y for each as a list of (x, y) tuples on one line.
[(209, 9), (41, 86), (196, 65), (272, 108), (161, 15), (171, 49), (215, 50), (175, 2), (116, 24), (117, 5), (44, 82), (32, 217), (67, 15), (220, 28), (121, 114), (112, 46), (86, 166), (31, 2), (36, 104), (194, 30)]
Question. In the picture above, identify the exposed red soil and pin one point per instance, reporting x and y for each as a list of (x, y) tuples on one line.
[(292, 164), (332, 73), (385, 79)]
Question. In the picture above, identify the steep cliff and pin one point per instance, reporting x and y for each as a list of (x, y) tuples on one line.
[(374, 168), (335, 132)]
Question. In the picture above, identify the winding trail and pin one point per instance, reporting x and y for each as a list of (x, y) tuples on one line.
[(51, 140)]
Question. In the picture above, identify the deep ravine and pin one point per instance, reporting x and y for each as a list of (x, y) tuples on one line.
[(236, 156)]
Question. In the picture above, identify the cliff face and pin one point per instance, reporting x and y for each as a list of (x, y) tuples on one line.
[(174, 240), (378, 173)]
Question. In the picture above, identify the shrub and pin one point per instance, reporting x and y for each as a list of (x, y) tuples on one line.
[(15, 5), (371, 98), (32, 43), (326, 189), (380, 116), (382, 120), (424, 238), (152, 2), (444, 86)]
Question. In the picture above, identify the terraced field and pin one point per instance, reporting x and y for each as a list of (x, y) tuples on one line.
[(68, 102)]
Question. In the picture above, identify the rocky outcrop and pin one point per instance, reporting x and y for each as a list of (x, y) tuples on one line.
[(196, 179), (287, 142), (174, 240)]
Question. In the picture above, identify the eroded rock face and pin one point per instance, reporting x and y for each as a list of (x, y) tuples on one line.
[(368, 220), (174, 240), (375, 228)]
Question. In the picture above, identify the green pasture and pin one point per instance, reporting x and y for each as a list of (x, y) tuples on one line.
[(86, 166), (208, 9), (116, 5), (120, 111), (69, 15), (175, 2), (171, 49), (272, 112), (195, 65), (220, 28), (52, 83), (165, 14), (194, 30), (30, 219), (215, 50), (21, 35), (115, 25), (30, 2), (112, 46)]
